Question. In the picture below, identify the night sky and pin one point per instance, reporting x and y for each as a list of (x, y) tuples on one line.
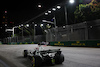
[(19, 11)]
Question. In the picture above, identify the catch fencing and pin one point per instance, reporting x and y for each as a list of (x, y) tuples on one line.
[(88, 30), (24, 39)]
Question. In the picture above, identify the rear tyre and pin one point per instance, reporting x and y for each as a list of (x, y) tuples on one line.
[(59, 58), (25, 53), (52, 61), (36, 61)]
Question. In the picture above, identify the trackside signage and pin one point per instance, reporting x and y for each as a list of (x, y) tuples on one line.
[(98, 44), (59, 43), (77, 43)]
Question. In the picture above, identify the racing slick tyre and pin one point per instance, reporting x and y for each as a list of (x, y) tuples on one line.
[(52, 61), (59, 58), (36, 61), (25, 53), (49, 60)]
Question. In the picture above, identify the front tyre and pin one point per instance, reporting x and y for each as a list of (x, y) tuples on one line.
[(25, 53), (59, 58)]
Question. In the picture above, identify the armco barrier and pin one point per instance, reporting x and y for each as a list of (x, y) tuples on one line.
[(77, 43)]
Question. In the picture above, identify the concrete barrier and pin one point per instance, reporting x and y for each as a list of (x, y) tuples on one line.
[(77, 43), (92, 43), (19, 43)]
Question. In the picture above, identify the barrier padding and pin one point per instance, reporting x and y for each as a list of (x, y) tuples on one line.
[(77, 43), (92, 43)]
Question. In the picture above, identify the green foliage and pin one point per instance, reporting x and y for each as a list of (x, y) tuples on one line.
[(14, 35), (86, 12)]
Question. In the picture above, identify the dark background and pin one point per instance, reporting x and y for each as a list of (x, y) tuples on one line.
[(20, 11)]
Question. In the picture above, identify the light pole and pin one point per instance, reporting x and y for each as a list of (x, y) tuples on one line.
[(34, 29), (22, 35), (66, 12), (27, 25), (55, 22), (13, 29), (66, 20)]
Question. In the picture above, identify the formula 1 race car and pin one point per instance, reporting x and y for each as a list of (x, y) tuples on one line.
[(42, 57)]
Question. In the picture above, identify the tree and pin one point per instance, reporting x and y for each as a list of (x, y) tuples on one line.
[(87, 12)]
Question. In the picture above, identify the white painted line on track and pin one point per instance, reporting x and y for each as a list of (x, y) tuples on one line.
[(5, 65)]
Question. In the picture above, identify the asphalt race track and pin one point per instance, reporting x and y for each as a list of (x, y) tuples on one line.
[(74, 56)]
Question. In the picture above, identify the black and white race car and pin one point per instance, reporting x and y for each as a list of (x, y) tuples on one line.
[(41, 57)]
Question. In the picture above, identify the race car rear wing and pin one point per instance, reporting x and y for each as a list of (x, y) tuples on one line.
[(51, 51)]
